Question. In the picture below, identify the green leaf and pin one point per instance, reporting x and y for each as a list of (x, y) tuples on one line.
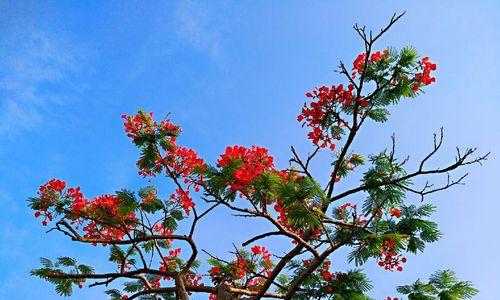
[(128, 203), (114, 294), (64, 288), (408, 56), (47, 263), (378, 114), (66, 261), (170, 223), (116, 254), (177, 214), (84, 269), (133, 286), (443, 285)]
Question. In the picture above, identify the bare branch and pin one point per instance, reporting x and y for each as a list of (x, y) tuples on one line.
[(425, 190), (460, 160), (393, 20), (260, 236)]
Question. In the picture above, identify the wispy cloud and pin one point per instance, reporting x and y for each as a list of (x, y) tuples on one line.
[(197, 25), (190, 25), (34, 74)]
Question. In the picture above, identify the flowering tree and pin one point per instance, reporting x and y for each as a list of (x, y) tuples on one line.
[(151, 260)]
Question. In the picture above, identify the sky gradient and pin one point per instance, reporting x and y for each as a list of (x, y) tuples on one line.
[(234, 73)]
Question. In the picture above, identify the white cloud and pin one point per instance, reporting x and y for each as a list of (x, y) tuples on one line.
[(191, 25), (195, 24), (33, 75)]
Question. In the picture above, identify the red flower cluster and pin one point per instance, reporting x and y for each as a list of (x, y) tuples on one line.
[(53, 185), (359, 62), (215, 271), (49, 193), (283, 216), (345, 208), (325, 271), (389, 259), (142, 123), (184, 161), (194, 280), (325, 275), (102, 213), (348, 212), (424, 78), (169, 262), (182, 197), (161, 230), (262, 251), (249, 164), (395, 212), (238, 269), (323, 114), (179, 162), (79, 202), (105, 210), (156, 283), (137, 124)]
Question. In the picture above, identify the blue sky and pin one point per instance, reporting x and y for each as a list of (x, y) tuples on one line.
[(233, 73)]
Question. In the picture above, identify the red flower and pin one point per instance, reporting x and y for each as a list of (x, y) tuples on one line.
[(424, 77), (50, 194), (395, 212), (359, 62), (57, 185), (139, 124), (250, 163), (363, 102), (256, 250), (322, 114), (181, 160), (79, 202), (389, 259), (53, 185), (215, 271), (259, 250), (174, 253), (183, 198), (194, 280), (184, 161), (178, 162)]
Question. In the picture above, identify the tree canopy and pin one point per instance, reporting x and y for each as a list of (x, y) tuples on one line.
[(148, 253)]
